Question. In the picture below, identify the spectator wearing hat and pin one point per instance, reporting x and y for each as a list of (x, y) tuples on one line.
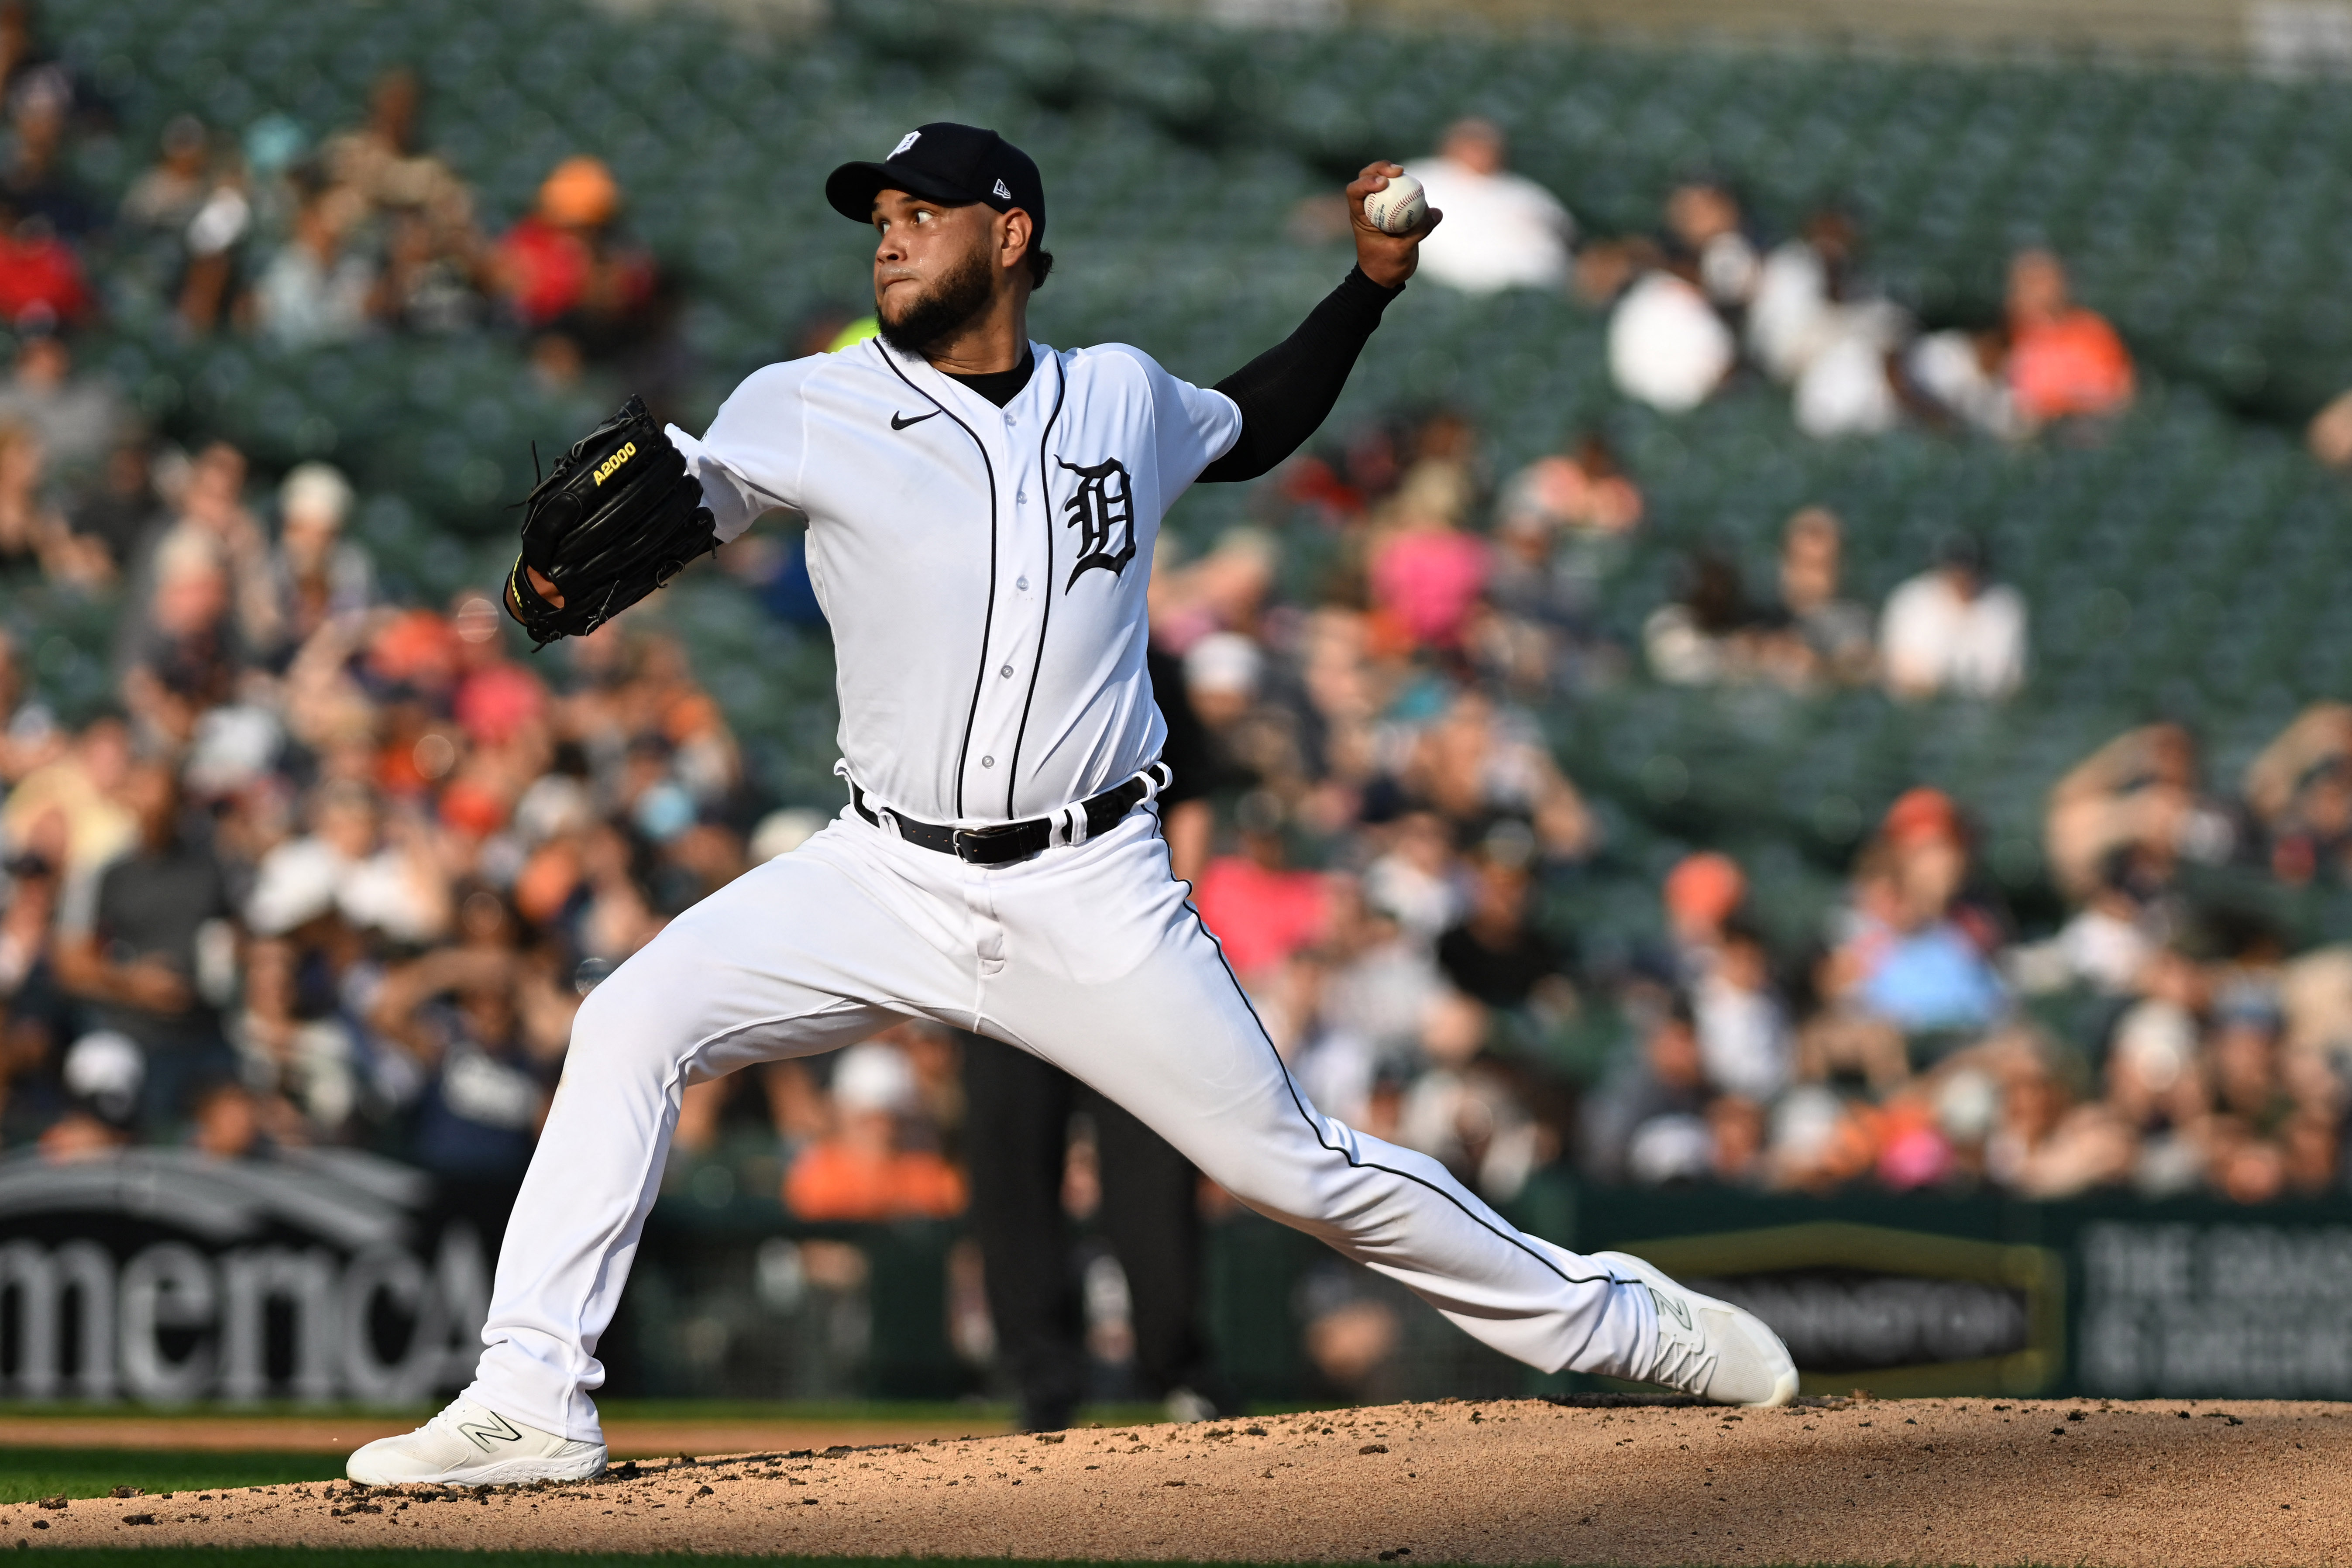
[(1910, 951), (1702, 893), (868, 1167), (102, 1075), (1502, 230), (318, 573), (184, 657), (564, 268), (1952, 630), (1222, 671)]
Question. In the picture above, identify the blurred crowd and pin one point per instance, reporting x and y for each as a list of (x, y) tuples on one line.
[(1708, 298), (2153, 1043), (331, 868), (1381, 728), (303, 239)]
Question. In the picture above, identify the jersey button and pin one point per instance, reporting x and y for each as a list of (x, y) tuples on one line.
[(1021, 584), (1006, 672), (988, 761)]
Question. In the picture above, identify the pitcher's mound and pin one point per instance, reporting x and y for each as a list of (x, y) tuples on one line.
[(1927, 1482)]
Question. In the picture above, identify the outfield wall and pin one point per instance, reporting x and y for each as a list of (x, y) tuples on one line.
[(164, 1278)]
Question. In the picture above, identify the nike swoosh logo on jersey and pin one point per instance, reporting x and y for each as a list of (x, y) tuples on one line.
[(484, 1434), (900, 421)]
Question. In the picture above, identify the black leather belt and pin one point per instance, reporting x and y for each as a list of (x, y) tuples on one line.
[(1010, 841)]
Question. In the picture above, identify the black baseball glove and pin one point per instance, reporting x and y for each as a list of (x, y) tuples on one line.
[(619, 518)]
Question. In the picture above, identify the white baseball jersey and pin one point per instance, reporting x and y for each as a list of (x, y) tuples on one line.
[(984, 568)]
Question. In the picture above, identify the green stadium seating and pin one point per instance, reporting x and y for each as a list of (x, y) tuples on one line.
[(2191, 564)]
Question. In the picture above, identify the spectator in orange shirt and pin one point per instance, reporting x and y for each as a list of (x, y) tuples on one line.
[(564, 268), (864, 1169), (2064, 361)]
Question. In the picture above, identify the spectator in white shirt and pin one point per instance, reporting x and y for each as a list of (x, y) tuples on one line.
[(1950, 629), (1502, 230), (1808, 330), (1667, 347)]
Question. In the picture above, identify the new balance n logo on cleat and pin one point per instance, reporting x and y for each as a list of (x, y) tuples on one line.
[(1672, 1306), (497, 1429)]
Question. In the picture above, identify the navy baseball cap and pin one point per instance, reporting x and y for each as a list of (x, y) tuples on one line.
[(945, 162)]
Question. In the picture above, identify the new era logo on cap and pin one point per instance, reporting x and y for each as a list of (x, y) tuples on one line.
[(944, 162)]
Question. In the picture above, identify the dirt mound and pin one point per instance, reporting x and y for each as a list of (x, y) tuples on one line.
[(1928, 1481)]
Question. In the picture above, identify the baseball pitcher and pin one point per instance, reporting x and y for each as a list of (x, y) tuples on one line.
[(981, 511)]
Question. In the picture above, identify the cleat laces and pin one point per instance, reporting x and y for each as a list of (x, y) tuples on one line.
[(1686, 1357)]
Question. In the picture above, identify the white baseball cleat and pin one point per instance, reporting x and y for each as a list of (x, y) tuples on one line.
[(1721, 1352), (469, 1445)]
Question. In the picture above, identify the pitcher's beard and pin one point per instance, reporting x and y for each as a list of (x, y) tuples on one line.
[(945, 308)]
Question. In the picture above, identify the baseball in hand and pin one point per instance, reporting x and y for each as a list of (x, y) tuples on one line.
[(1398, 206)]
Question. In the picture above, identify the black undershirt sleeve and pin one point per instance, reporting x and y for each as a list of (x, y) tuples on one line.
[(1286, 394)]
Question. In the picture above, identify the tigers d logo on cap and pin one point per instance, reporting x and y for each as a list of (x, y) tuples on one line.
[(944, 162)]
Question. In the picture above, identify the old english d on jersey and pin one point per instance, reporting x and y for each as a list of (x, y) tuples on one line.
[(984, 569)]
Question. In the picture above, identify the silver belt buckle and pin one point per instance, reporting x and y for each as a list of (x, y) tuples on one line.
[(972, 837)]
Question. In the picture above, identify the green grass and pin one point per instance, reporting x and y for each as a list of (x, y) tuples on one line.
[(27, 1473)]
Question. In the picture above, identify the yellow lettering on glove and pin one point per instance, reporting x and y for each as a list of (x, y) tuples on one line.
[(604, 469)]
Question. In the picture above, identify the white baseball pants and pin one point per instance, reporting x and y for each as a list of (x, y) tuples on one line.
[(1088, 956)]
